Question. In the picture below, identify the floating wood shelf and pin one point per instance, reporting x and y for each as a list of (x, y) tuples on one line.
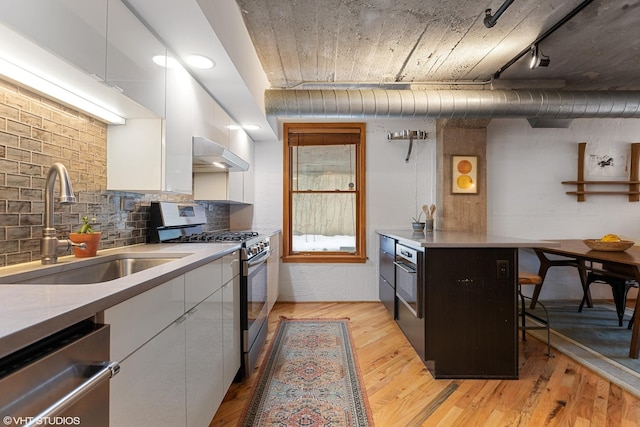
[(633, 183)]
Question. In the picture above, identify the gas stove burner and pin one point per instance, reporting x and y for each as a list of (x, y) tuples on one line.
[(218, 236)]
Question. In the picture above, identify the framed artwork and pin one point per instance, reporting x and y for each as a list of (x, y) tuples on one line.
[(464, 175)]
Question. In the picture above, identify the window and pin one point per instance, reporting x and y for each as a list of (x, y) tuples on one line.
[(324, 197)]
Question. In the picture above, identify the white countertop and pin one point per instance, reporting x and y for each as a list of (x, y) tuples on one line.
[(31, 312), (461, 239)]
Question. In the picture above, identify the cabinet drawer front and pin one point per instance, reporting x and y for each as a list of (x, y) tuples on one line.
[(136, 320), (202, 282), (387, 269), (230, 266), (388, 245)]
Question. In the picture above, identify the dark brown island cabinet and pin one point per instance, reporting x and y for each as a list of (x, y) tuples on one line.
[(456, 305)]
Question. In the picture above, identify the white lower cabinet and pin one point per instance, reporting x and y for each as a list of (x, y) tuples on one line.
[(148, 340), (231, 330), (149, 390), (205, 367), (176, 366)]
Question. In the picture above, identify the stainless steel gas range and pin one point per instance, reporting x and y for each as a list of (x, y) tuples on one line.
[(186, 223)]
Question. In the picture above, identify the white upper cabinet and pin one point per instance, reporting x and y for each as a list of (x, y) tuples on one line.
[(130, 51), (241, 183), (74, 30), (178, 149), (204, 110), (154, 155)]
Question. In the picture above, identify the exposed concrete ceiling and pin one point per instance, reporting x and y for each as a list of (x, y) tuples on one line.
[(356, 43)]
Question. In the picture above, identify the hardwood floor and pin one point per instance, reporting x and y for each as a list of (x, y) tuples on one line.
[(401, 392)]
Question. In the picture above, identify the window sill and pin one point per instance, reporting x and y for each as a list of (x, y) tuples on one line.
[(325, 258)]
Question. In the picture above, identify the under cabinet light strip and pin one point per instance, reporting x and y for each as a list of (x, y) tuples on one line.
[(40, 84)]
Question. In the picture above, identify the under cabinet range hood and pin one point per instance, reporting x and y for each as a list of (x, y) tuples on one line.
[(209, 156)]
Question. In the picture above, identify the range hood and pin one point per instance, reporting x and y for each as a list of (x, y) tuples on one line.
[(209, 156)]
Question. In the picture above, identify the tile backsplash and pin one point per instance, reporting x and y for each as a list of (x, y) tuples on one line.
[(36, 132)]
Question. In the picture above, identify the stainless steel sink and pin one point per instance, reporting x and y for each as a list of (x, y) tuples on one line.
[(94, 270)]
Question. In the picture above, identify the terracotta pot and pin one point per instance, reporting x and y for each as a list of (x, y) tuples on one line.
[(92, 240)]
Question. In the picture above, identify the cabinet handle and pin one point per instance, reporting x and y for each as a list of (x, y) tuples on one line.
[(182, 318)]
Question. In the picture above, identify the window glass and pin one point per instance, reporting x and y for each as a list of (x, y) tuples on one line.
[(324, 212)]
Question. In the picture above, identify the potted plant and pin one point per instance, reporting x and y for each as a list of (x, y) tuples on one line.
[(417, 225), (429, 212), (86, 235)]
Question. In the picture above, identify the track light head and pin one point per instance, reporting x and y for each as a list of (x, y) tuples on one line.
[(537, 58)]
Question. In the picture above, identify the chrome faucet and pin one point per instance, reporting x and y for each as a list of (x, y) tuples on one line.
[(49, 243)]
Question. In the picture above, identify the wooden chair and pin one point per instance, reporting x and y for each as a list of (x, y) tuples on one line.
[(620, 281), (529, 279)]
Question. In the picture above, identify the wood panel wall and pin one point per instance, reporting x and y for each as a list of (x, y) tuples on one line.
[(461, 212)]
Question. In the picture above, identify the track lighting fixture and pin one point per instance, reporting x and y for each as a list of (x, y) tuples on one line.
[(537, 58)]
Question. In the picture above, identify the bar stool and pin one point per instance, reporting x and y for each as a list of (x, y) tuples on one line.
[(529, 279)]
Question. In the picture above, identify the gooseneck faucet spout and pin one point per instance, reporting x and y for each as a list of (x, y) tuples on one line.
[(49, 243)]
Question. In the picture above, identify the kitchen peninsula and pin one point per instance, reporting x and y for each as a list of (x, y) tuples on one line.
[(453, 294)]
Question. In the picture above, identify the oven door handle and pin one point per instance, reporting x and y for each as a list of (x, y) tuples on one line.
[(255, 262), (404, 267)]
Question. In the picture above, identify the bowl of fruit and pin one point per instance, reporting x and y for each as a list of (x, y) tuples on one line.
[(609, 242)]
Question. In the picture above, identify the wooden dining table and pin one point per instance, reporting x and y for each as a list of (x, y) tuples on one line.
[(574, 253)]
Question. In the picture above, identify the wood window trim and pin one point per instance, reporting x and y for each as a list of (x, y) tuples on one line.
[(359, 256)]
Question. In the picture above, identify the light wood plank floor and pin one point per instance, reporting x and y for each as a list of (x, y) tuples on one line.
[(401, 392)]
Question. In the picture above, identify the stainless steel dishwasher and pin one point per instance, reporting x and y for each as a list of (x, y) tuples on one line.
[(60, 380)]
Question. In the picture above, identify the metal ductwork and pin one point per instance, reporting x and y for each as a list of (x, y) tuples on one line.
[(445, 104)]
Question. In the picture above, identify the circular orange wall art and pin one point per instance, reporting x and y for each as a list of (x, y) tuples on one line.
[(464, 166), (464, 174)]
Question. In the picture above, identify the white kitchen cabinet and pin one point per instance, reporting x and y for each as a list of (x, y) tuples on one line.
[(74, 30), (221, 121), (204, 360), (204, 110), (148, 340), (154, 155), (178, 345), (130, 51), (273, 271), (136, 320), (231, 317), (241, 183), (213, 335), (150, 388), (202, 282)]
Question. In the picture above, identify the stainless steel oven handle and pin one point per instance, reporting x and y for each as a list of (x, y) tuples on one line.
[(108, 371), (259, 259), (253, 263), (404, 268)]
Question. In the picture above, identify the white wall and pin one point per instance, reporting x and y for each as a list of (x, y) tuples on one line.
[(525, 168), (525, 198), (395, 190)]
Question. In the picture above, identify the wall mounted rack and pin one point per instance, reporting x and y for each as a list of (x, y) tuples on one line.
[(632, 184), (407, 135)]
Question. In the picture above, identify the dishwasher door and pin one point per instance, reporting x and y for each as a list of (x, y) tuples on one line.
[(61, 380)]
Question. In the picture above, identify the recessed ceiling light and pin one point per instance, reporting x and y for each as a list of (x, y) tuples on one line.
[(199, 61), (166, 61), (251, 127), (234, 127)]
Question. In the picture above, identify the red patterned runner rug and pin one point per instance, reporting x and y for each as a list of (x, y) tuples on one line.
[(310, 377)]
